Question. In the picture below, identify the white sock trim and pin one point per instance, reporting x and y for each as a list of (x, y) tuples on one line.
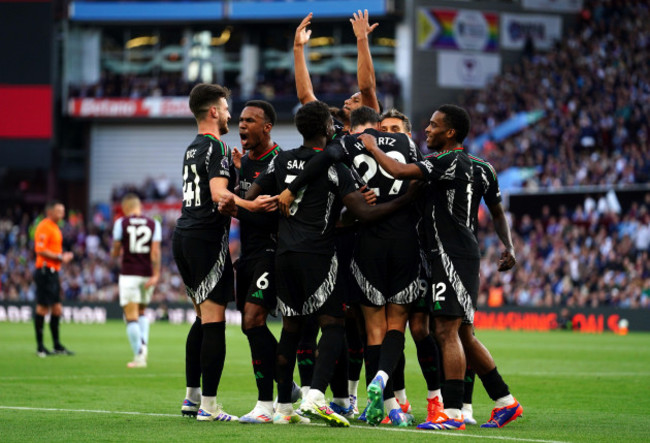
[(401, 396), (504, 401), (193, 394)]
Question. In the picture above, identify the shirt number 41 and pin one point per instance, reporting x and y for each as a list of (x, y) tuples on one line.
[(191, 189)]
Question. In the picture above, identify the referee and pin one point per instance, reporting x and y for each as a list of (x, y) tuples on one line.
[(48, 245)]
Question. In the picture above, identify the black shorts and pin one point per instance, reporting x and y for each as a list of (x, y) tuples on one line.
[(306, 284), (48, 286), (423, 302), (386, 270), (205, 267), (454, 283), (345, 239), (256, 282)]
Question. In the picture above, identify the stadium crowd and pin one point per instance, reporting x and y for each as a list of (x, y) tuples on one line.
[(594, 90), (596, 99), (587, 257), (274, 84)]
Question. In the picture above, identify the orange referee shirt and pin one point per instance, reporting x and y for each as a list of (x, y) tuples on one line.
[(48, 237)]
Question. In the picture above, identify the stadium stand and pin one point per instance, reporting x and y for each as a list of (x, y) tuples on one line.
[(594, 91), (596, 99)]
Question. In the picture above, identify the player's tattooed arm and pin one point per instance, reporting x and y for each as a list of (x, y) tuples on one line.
[(365, 69), (304, 87)]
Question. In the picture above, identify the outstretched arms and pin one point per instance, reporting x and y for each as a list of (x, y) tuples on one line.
[(304, 87), (365, 68)]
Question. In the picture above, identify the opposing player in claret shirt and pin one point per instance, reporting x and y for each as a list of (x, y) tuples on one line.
[(137, 238), (200, 247), (454, 254)]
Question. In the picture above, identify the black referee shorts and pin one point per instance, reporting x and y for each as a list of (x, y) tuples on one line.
[(48, 286)]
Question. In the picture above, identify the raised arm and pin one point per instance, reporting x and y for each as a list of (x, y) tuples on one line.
[(507, 260), (393, 167), (304, 87), (365, 68)]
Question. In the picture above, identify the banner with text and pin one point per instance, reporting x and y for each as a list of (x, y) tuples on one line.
[(588, 320), (545, 30), (457, 29), (466, 69), (129, 107)]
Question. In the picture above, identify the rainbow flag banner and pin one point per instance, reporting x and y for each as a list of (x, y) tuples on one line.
[(459, 29)]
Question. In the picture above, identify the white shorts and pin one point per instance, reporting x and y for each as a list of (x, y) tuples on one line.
[(132, 290)]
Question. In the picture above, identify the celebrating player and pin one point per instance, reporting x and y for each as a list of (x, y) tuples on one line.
[(454, 254), (200, 247), (255, 268)]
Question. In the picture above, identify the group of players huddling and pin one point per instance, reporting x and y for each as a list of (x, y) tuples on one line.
[(355, 234)]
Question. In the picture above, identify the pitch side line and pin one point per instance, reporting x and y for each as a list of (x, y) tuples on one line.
[(150, 375), (445, 434)]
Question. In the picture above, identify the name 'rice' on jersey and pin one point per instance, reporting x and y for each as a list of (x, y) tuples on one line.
[(205, 158), (400, 147), (447, 206), (316, 208), (256, 238)]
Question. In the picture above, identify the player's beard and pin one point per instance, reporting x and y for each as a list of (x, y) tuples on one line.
[(223, 126)]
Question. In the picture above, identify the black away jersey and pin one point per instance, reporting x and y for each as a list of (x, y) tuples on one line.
[(399, 147), (317, 206), (205, 158), (448, 200), (257, 231), (485, 186)]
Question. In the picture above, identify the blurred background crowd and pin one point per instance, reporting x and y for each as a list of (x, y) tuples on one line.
[(593, 93)]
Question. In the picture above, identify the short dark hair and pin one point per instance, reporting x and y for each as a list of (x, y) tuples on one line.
[(205, 95), (269, 111), (51, 204), (363, 116), (456, 118), (312, 119), (394, 113)]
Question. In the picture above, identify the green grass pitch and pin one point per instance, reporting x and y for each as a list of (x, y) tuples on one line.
[(573, 387)]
